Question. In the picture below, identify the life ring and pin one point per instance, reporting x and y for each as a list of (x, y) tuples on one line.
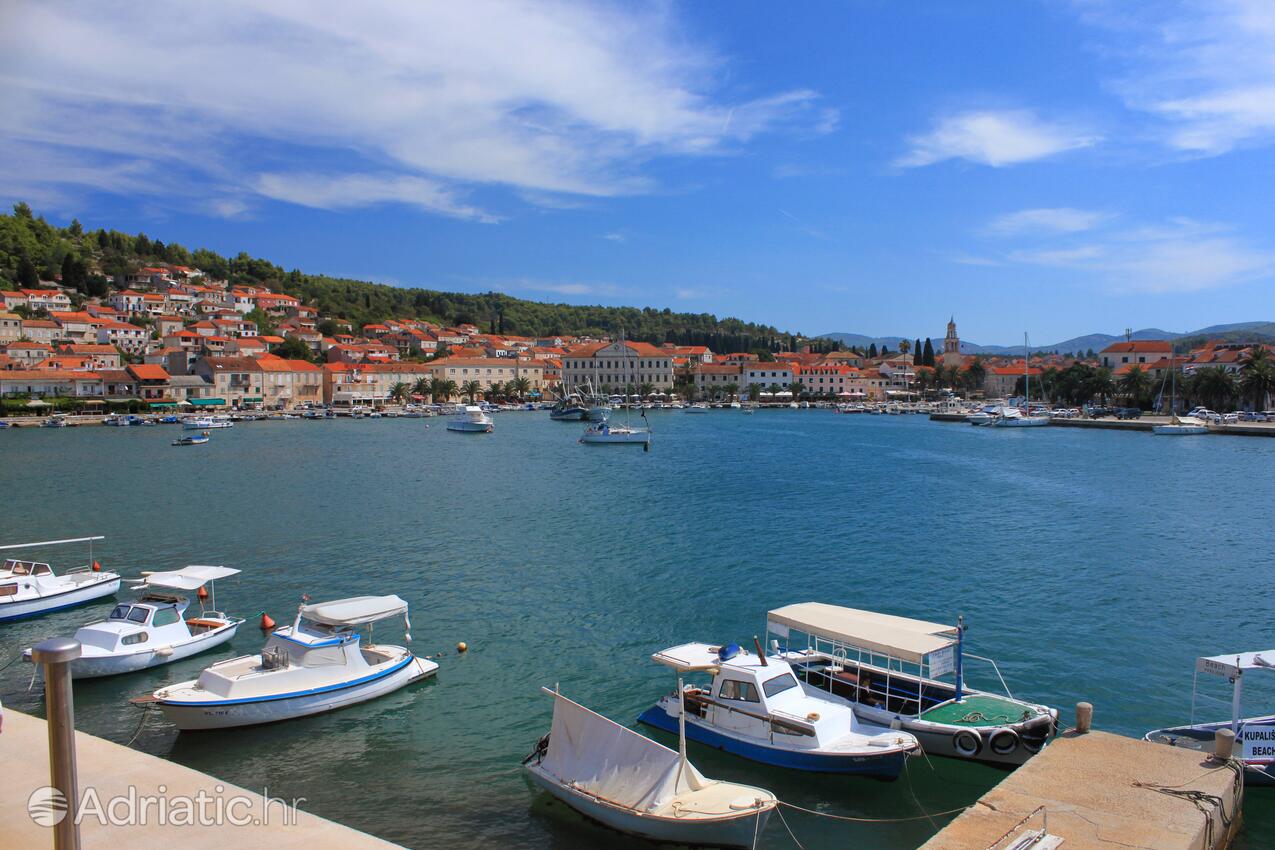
[(1003, 742), (967, 743)]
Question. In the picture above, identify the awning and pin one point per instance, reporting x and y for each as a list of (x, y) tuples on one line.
[(208, 402), (251, 398), (35, 402), (163, 404), (93, 401), (900, 637), (188, 578), (1229, 665), (355, 610)]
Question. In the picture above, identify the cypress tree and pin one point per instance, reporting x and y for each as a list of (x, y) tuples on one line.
[(872, 350), (917, 357), (928, 358)]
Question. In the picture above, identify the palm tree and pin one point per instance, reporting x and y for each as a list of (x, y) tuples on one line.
[(496, 390), (443, 389), (1135, 385), (399, 391), (521, 386), (730, 390), (471, 390), (646, 389), (1101, 384), (754, 391), (1214, 386), (798, 389), (1257, 377), (422, 386), (975, 375)]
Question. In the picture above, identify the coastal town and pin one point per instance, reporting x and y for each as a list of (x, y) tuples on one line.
[(169, 337)]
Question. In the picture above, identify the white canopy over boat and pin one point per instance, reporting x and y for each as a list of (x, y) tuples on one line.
[(354, 611), (1230, 665), (188, 578), (900, 637), (597, 755)]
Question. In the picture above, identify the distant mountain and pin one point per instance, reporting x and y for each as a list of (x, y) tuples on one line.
[(1097, 341)]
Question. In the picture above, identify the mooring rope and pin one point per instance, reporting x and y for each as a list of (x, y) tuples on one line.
[(1205, 802), (870, 820), (146, 713)]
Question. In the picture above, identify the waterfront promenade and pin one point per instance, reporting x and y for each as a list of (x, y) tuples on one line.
[(117, 774)]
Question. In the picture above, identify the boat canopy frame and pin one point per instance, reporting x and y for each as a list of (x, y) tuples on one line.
[(1231, 667), (88, 540)]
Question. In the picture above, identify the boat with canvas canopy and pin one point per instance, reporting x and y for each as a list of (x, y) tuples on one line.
[(31, 588), (755, 707), (319, 663), (155, 629), (1254, 736), (891, 669), (620, 778)]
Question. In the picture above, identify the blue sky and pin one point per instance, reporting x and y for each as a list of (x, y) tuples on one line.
[(872, 166)]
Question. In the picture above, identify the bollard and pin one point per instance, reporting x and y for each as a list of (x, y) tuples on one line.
[(1084, 716), (56, 655), (1223, 745)]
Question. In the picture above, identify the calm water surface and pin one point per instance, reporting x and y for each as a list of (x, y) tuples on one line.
[(1093, 565)]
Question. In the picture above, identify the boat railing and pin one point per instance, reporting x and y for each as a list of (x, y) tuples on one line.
[(995, 668), (788, 723)]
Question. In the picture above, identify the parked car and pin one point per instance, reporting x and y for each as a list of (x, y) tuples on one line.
[(1202, 413), (1128, 412), (1099, 412), (1230, 418), (1254, 416)]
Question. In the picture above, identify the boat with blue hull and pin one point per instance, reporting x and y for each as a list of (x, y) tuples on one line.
[(756, 708)]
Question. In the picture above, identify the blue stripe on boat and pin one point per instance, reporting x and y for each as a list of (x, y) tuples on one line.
[(311, 692)]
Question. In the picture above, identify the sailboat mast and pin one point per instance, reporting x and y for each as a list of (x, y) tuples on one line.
[(681, 729), (1027, 378)]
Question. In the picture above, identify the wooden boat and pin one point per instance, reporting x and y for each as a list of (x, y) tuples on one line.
[(317, 664), (613, 775), (1254, 736), (891, 668)]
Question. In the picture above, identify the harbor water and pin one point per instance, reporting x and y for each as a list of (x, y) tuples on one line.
[(1093, 565)]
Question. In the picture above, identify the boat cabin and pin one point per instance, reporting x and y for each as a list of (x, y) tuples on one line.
[(14, 567), (759, 697)]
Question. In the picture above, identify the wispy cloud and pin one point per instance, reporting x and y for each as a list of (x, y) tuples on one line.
[(806, 228), (574, 288), (615, 236), (1205, 68), (1046, 220), (404, 103), (699, 293), (1180, 255), (993, 137)]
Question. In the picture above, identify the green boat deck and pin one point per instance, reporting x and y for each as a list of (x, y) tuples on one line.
[(979, 710)]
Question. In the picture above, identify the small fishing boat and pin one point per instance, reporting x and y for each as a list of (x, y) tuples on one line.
[(604, 433), (890, 669), (472, 420), (57, 420), (154, 630), (1012, 417), (698, 407), (620, 778), (1254, 736), (30, 588), (755, 707), (194, 440), (203, 423), (568, 409), (317, 664), (1178, 426)]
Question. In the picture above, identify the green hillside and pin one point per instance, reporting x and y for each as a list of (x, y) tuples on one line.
[(31, 249)]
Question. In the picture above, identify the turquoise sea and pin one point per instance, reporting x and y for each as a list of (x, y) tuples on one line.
[(1093, 565)]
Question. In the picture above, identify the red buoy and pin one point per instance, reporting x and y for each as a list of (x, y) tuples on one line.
[(97, 568), (203, 592), (267, 624)]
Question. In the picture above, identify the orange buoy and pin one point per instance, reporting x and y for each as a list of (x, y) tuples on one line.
[(462, 647), (97, 568), (203, 592), (267, 624)]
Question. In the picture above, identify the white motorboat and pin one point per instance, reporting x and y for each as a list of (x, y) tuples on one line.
[(154, 630), (890, 669), (1012, 417), (756, 707), (30, 588), (193, 440), (697, 407), (605, 433), (203, 423), (1178, 426), (623, 779), (472, 420), (317, 664), (1254, 736)]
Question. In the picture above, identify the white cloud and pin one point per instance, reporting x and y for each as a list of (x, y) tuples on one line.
[(699, 293), (1180, 256), (576, 288), (993, 137), (1206, 68), (360, 190), (615, 236), (1046, 220), (551, 98)]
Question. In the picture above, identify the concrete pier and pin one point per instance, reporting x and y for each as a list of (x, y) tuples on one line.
[(1144, 423), (1094, 789), (112, 773)]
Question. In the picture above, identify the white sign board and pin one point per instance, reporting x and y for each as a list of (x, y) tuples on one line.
[(941, 661), (1258, 742)]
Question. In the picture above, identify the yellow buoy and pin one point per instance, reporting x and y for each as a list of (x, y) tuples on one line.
[(462, 646)]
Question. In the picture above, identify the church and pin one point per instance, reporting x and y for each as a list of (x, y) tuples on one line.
[(952, 345)]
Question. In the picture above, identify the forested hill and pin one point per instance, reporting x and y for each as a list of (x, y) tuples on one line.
[(31, 249)]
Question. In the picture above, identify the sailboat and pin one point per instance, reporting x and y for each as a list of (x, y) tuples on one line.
[(620, 778), (1178, 426), (1010, 418), (605, 433)]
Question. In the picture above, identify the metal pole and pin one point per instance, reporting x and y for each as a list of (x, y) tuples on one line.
[(56, 655)]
